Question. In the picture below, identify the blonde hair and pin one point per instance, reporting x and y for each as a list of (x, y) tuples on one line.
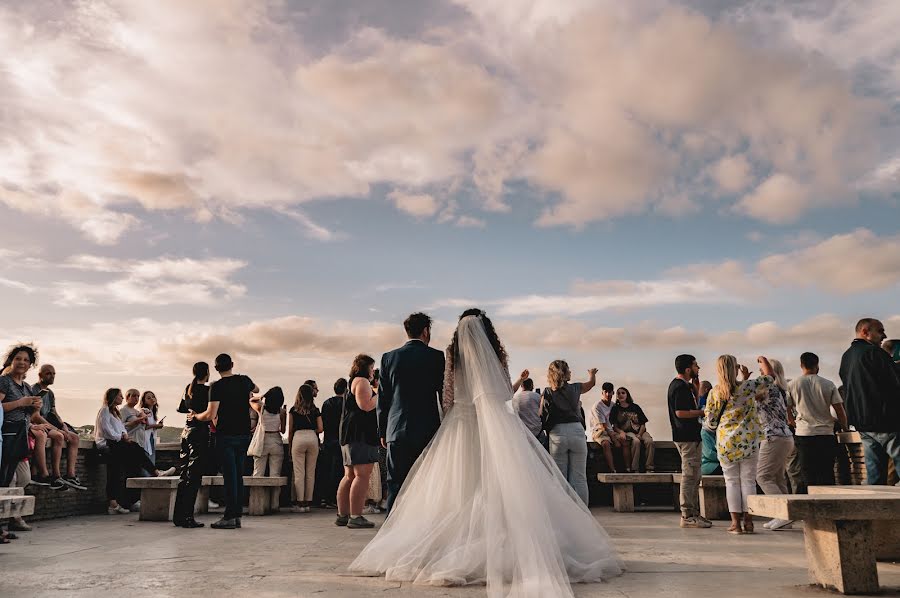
[(558, 374), (132, 392), (778, 371), (726, 371)]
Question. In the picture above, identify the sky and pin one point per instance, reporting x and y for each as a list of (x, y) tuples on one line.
[(614, 183)]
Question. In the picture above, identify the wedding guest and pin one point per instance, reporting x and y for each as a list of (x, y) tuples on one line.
[(684, 417), (561, 403), (229, 400), (731, 409), (272, 417), (359, 444), (603, 432), (133, 417), (125, 457), (630, 419), (813, 397), (705, 387), (305, 426), (778, 440), (50, 414), (19, 403), (150, 407), (194, 448), (872, 384), (330, 464), (527, 404), (709, 460)]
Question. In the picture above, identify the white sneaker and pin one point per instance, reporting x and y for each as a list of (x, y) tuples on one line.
[(369, 510), (768, 524), (306, 509), (780, 524), (297, 509), (136, 507), (213, 504), (169, 472), (117, 510)]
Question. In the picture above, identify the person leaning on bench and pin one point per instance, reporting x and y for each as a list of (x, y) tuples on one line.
[(229, 409), (126, 457), (194, 448)]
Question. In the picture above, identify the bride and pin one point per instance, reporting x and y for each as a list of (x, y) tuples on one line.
[(485, 503)]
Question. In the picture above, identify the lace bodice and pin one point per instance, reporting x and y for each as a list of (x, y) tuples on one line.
[(448, 398)]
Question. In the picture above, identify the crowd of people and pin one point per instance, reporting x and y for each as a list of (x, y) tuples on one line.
[(760, 431)]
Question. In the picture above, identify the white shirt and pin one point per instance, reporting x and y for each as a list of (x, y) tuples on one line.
[(600, 415), (812, 397), (109, 427)]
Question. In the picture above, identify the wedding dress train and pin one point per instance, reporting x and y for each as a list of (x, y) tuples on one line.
[(485, 503)]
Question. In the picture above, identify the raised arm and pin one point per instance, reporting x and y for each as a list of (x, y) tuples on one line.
[(592, 381)]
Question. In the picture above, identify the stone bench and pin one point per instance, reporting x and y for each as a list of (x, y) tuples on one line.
[(887, 532), (265, 492), (713, 502), (16, 506), (12, 491), (157, 496), (838, 532), (623, 486)]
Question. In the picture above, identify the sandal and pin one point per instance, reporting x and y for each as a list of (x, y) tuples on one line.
[(735, 530), (748, 526)]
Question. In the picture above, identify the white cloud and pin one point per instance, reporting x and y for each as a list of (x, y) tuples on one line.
[(15, 285), (420, 205), (162, 281), (117, 108), (312, 229)]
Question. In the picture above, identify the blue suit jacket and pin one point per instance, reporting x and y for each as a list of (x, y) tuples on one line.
[(410, 389)]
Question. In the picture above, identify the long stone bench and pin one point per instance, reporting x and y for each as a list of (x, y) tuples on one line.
[(265, 492), (623, 486), (157, 496), (838, 531), (15, 491), (713, 502), (887, 532), (16, 506)]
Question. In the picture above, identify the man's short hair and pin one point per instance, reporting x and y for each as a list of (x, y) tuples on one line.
[(340, 387), (223, 362), (528, 384), (416, 324), (607, 386), (865, 323), (684, 362), (809, 360)]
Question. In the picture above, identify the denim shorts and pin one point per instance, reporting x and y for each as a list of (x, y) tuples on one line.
[(359, 453)]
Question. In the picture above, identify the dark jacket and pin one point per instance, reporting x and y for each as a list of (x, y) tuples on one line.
[(872, 388), (412, 382)]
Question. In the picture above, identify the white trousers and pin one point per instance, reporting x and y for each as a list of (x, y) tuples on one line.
[(740, 482)]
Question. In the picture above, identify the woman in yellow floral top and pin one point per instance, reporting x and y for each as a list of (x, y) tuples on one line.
[(731, 411)]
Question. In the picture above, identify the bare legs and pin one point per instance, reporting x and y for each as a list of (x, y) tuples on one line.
[(352, 490)]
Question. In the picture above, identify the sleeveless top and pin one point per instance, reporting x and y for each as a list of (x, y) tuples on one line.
[(357, 425)]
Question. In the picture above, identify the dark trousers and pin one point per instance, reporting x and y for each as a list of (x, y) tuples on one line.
[(817, 454), (401, 456), (15, 448), (194, 449), (329, 472), (232, 455), (126, 460)]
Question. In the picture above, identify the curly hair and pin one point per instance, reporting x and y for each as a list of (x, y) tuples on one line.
[(558, 374), (453, 348), (360, 368), (28, 348)]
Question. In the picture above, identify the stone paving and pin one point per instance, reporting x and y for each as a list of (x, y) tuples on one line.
[(306, 555)]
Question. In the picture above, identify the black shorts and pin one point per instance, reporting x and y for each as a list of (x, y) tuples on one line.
[(359, 453)]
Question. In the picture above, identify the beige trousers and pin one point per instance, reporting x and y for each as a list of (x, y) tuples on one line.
[(304, 452), (273, 456)]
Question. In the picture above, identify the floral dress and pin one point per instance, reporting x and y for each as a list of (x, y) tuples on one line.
[(738, 432)]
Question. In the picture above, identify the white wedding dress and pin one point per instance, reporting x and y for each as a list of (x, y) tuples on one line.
[(485, 503)]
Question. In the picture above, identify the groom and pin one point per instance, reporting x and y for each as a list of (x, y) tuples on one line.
[(412, 380)]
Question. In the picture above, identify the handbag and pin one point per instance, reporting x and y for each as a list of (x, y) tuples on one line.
[(546, 412), (721, 411), (259, 435)]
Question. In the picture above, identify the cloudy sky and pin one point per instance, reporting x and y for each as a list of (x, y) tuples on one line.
[(615, 183)]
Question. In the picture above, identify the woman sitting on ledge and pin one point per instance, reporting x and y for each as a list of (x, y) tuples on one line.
[(125, 456)]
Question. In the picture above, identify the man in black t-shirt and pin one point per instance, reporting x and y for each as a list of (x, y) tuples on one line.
[(330, 466), (229, 409), (684, 417)]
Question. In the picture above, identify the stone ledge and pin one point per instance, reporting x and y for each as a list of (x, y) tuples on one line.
[(851, 506), (635, 478)]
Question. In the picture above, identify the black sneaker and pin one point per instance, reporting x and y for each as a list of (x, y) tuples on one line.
[(74, 482), (40, 480), (224, 524), (342, 520), (359, 523), (58, 484), (190, 524), (237, 522)]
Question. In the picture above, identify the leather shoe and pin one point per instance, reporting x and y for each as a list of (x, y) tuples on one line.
[(224, 524)]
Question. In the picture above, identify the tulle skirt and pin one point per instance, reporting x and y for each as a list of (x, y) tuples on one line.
[(486, 504)]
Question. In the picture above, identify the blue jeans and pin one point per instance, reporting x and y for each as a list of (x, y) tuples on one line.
[(878, 448), (568, 447), (232, 454)]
